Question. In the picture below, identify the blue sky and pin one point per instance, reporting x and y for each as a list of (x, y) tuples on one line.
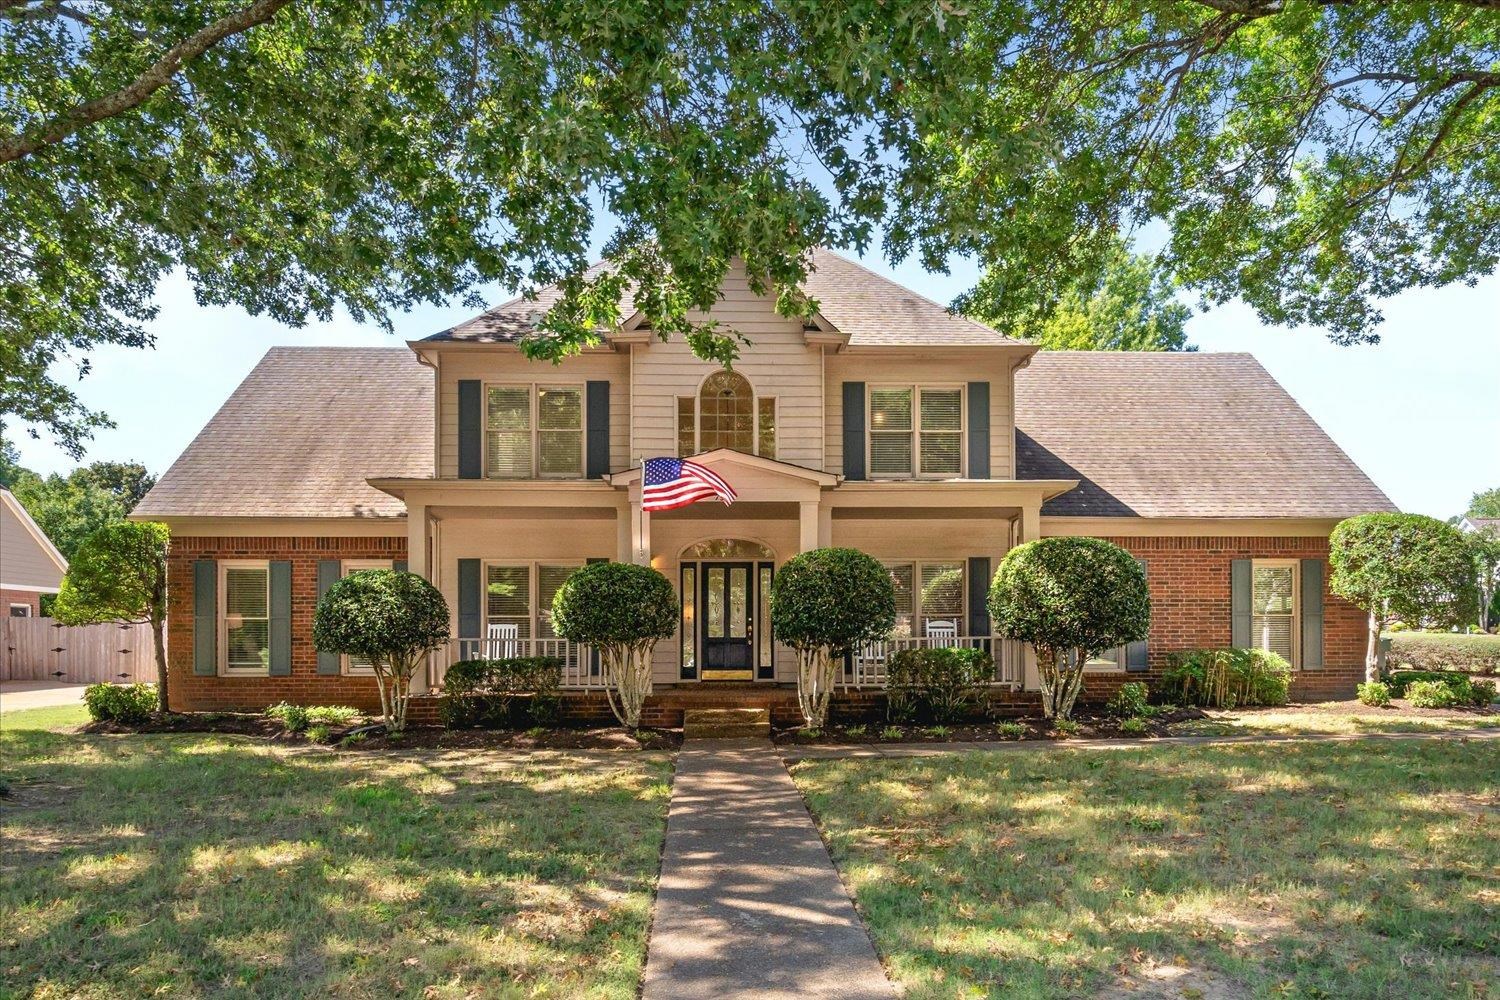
[(1420, 412)]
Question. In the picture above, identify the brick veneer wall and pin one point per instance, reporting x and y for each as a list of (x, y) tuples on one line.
[(190, 692), (28, 597), (1189, 579)]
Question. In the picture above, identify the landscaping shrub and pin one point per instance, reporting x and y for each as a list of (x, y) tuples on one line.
[(293, 718), (1226, 678), (1484, 692), (487, 692), (1129, 700), (1011, 730), (1134, 726), (1435, 694), (301, 718), (131, 704), (1474, 654), (1376, 694), (1401, 680), (623, 611), (1070, 598), (944, 684)]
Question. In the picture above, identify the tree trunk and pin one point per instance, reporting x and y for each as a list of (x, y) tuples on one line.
[(815, 669), (627, 675), (159, 642), (1372, 651)]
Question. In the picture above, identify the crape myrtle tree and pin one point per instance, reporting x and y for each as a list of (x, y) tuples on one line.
[(1070, 598), (298, 158), (825, 603), (622, 610), (1402, 567), (390, 618), (119, 574)]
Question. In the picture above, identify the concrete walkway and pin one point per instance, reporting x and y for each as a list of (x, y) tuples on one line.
[(16, 695), (749, 904), (893, 751)]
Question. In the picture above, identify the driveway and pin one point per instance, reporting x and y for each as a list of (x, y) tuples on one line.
[(16, 695)]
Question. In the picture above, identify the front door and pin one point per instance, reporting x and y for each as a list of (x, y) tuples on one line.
[(728, 621)]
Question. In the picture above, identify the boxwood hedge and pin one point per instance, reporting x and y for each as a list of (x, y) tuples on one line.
[(1471, 654)]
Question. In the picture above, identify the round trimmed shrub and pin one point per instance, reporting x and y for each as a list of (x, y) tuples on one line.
[(622, 610), (1070, 598), (824, 603), (390, 618)]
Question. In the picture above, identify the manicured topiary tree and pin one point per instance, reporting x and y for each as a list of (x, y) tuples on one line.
[(1070, 598), (119, 574), (623, 611), (1402, 567), (389, 618), (824, 603)]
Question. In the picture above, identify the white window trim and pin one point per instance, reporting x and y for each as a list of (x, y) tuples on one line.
[(697, 398), (533, 586), (1116, 666), (346, 567), (916, 389), (916, 597), (225, 565), (25, 609), (1295, 566), (535, 390)]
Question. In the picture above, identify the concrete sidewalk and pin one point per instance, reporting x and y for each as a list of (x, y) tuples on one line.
[(894, 751), (749, 903), (16, 695)]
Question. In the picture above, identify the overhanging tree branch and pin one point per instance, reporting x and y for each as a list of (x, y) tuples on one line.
[(153, 79)]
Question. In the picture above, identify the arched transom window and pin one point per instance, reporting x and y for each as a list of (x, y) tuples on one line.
[(726, 414)]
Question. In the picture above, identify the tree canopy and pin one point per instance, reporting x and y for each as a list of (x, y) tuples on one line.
[(295, 158), (1485, 503)]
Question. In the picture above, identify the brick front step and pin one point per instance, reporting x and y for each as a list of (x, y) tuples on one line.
[(711, 723)]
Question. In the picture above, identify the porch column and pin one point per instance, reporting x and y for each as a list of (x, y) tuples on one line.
[(807, 524), (624, 531), (825, 526), (1029, 529), (418, 531), (640, 547)]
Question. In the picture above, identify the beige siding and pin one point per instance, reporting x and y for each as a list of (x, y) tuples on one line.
[(778, 363), (23, 561), (951, 369), (504, 364)]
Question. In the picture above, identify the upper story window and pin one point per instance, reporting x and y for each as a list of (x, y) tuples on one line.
[(534, 431), (726, 414), (916, 431)]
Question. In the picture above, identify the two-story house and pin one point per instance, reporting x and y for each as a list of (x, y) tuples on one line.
[(885, 424)]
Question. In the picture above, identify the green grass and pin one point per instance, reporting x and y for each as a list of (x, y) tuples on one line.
[(52, 717), (1300, 870), (198, 865), (1294, 721)]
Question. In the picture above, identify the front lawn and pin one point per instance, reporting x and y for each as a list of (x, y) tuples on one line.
[(1308, 870), (1338, 717), (200, 864)]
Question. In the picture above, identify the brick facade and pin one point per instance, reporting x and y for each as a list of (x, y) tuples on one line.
[(1189, 580), (30, 598), (193, 693)]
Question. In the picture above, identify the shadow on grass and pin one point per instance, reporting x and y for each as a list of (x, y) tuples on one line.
[(212, 865), (1305, 869)]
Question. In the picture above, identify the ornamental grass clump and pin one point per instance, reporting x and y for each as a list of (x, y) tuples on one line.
[(1071, 599), (1229, 677), (825, 603), (391, 619), (623, 611)]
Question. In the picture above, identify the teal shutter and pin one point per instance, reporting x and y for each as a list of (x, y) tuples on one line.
[(597, 430), (205, 617), (1312, 614), (329, 571), (979, 592), (979, 430), (854, 431), (281, 618), (1239, 603), (1137, 658), (470, 592), (470, 429), (399, 565)]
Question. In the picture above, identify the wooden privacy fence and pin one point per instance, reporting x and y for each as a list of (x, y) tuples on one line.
[(39, 649)]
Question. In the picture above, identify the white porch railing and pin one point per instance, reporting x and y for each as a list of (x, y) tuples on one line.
[(580, 668), (868, 668)]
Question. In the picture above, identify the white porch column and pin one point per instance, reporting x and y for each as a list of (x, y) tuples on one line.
[(807, 525), (825, 525), (418, 531), (624, 531), (1029, 529), (640, 523)]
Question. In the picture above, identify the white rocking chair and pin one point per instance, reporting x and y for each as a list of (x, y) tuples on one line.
[(503, 641), (942, 633)]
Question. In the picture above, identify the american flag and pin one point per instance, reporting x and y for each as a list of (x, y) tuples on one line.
[(676, 482)]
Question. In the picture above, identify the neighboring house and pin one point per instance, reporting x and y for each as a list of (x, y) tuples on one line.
[(1473, 524), (886, 424), (30, 564)]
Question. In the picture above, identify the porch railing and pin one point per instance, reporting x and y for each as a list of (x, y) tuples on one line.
[(867, 669), (580, 667)]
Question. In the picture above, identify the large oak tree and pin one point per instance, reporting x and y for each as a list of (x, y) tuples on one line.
[(296, 156)]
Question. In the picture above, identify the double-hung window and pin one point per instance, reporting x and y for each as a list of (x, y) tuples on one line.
[(245, 617), (1273, 607), (916, 431), (534, 431), (518, 599), (929, 599)]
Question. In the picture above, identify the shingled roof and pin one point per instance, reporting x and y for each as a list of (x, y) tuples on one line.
[(869, 309), (300, 436), (1179, 435)]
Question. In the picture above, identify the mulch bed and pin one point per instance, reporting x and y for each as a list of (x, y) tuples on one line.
[(1095, 726)]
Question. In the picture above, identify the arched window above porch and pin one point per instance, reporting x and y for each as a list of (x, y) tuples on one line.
[(726, 413)]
